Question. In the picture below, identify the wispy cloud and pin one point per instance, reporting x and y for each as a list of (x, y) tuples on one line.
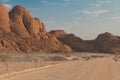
[(9, 6), (115, 17), (103, 1), (66, 0), (95, 9), (44, 1), (5, 0), (65, 5), (94, 12), (96, 5), (78, 12), (34, 8)]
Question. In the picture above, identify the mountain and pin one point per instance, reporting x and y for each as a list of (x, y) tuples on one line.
[(20, 32)]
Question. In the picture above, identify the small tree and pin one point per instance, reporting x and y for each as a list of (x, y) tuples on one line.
[(5, 58)]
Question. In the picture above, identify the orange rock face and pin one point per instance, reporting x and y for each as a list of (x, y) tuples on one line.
[(24, 24), (4, 19), (16, 17)]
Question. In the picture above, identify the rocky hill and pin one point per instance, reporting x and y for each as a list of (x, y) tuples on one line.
[(68, 39), (104, 43), (20, 32), (107, 43)]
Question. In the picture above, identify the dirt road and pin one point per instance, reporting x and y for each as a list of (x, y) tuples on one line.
[(96, 69)]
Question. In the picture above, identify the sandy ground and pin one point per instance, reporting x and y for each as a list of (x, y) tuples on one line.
[(19, 62), (105, 68)]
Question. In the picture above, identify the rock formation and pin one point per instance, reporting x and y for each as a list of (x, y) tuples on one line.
[(4, 20), (25, 33), (106, 37), (104, 43), (68, 39), (107, 43), (24, 24), (58, 33)]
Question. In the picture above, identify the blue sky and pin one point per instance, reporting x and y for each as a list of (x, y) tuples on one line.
[(84, 18)]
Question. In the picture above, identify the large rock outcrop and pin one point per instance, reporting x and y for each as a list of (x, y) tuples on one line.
[(24, 24), (25, 33), (4, 20)]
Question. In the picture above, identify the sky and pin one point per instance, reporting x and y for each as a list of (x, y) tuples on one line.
[(84, 18)]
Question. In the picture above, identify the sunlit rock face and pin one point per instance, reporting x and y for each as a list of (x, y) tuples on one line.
[(24, 24), (4, 20)]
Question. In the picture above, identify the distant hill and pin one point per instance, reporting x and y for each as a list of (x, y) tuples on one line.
[(104, 43)]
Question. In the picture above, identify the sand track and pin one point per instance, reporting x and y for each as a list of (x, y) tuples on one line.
[(96, 69)]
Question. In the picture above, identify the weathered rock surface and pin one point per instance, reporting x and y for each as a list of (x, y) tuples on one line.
[(24, 24), (4, 20)]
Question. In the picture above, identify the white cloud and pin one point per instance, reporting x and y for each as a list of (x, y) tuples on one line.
[(103, 1), (65, 5), (44, 1), (66, 0), (34, 8), (97, 5), (95, 9), (94, 12), (78, 11), (5, 0), (115, 17), (9, 6)]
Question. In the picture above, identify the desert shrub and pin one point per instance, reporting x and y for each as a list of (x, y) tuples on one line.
[(67, 55), (86, 58), (5, 57), (96, 56), (74, 59), (57, 58)]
